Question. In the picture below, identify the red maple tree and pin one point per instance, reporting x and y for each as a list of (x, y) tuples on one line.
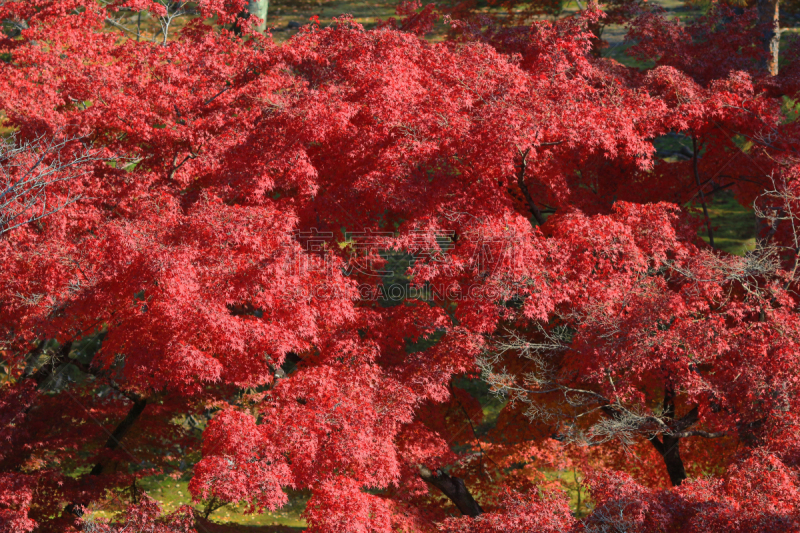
[(308, 243)]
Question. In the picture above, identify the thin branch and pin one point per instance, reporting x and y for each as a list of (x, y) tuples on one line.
[(699, 433), (702, 195), (35, 177), (112, 22)]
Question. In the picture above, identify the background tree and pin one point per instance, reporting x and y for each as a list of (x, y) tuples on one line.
[(259, 8)]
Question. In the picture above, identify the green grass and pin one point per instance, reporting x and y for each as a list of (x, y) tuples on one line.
[(733, 225), (211, 527), (572, 483), (364, 12), (369, 14), (172, 494)]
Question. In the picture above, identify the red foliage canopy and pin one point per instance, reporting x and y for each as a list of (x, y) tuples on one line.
[(232, 220)]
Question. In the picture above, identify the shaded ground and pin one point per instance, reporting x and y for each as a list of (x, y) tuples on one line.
[(211, 527)]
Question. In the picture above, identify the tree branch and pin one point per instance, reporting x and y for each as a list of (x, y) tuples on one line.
[(524, 188), (700, 433), (453, 488), (120, 431), (112, 22)]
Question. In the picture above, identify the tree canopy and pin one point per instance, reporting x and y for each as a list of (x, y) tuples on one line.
[(300, 248)]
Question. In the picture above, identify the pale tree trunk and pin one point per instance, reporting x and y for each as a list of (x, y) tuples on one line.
[(259, 8), (768, 17)]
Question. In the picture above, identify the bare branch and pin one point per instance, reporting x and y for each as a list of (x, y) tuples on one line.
[(114, 23), (700, 433), (36, 177)]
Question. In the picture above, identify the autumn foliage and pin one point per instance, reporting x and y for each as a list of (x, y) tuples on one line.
[(211, 228)]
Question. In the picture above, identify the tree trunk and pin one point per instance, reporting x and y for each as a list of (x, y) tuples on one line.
[(76, 508), (259, 8), (669, 445), (121, 430), (597, 41), (454, 489), (768, 18), (669, 448)]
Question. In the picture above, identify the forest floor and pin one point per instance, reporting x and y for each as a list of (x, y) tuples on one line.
[(285, 19), (213, 527)]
